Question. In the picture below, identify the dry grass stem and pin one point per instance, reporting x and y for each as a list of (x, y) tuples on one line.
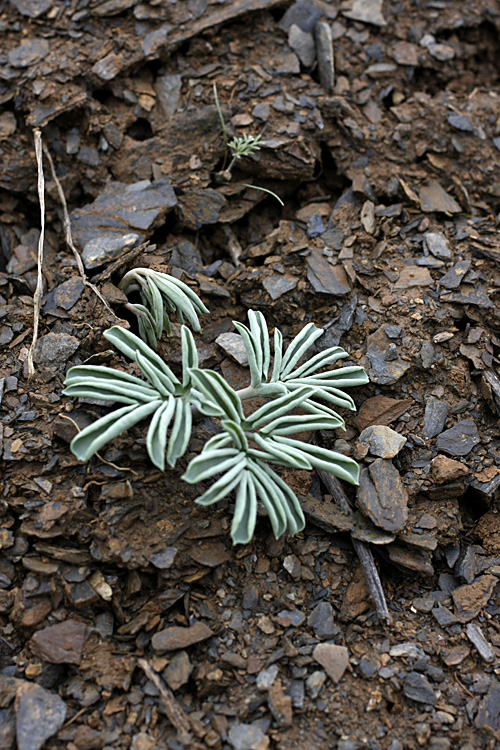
[(68, 234), (37, 297)]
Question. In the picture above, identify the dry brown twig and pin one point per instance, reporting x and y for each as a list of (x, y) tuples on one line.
[(37, 297)]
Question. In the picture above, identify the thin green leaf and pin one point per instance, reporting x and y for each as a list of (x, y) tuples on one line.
[(278, 407), (315, 407), (218, 392), (260, 333), (298, 347), (342, 377), (334, 463), (324, 358), (278, 355), (333, 395), (108, 388), (93, 437), (80, 373), (182, 303), (272, 498), (181, 432), (293, 423), (189, 355), (208, 464), (237, 435), (151, 294), (270, 390), (224, 485), (162, 384), (293, 456), (128, 343), (254, 353), (295, 515), (218, 441), (195, 300), (245, 510), (157, 433)]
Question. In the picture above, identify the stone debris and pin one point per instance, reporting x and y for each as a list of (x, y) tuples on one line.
[(171, 639), (382, 496), (334, 660), (61, 643), (382, 441), (460, 439)]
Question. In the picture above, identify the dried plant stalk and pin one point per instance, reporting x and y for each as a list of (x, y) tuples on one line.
[(37, 297)]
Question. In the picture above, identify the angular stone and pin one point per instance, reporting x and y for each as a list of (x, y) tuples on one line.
[(368, 11), (302, 43), (325, 278), (321, 620), (67, 294), (382, 495), (266, 678), (279, 284), (476, 637), (61, 643), (444, 469), (468, 294), (420, 561), (488, 715), (437, 244), (54, 349), (334, 659), (324, 50), (164, 559), (435, 415), (200, 207), (171, 639), (433, 197), (460, 439), (119, 211), (454, 277), (470, 599), (382, 366), (29, 52), (39, 715), (382, 441), (380, 410), (178, 672), (417, 687), (248, 737), (411, 276)]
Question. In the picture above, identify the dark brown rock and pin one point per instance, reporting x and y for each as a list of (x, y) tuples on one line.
[(470, 599), (61, 643), (175, 638), (382, 496)]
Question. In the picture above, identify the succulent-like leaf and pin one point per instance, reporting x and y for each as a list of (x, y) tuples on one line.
[(324, 358), (157, 433), (298, 347), (245, 510), (278, 407), (181, 431), (260, 333), (93, 437), (129, 344), (218, 393), (236, 433), (107, 384), (278, 355), (295, 515), (283, 454), (209, 463), (293, 423), (325, 392), (272, 498), (224, 485), (157, 378), (254, 353), (189, 355), (334, 463)]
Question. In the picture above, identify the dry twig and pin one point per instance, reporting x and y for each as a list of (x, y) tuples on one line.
[(37, 297), (68, 234), (362, 549), (173, 711)]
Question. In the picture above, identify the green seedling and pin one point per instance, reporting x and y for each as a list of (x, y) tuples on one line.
[(301, 394)]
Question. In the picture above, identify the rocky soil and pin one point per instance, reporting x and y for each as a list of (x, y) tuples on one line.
[(127, 619)]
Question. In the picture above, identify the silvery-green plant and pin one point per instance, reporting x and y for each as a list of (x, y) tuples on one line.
[(239, 458), (160, 294)]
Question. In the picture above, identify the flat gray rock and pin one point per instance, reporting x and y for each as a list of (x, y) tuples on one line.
[(382, 441), (321, 620), (460, 439), (435, 415), (437, 244), (454, 277), (382, 360), (119, 218), (417, 687), (39, 715), (232, 344), (247, 737), (54, 349), (382, 496)]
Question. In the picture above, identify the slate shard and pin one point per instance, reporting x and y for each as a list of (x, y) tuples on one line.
[(39, 715), (382, 495), (460, 439)]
